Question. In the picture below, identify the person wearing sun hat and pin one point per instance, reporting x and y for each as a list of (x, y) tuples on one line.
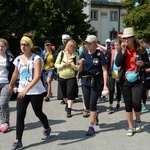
[(133, 59), (92, 64)]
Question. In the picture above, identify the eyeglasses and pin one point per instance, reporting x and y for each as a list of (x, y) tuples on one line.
[(127, 39), (25, 45)]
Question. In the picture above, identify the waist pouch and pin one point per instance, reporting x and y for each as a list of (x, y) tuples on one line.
[(131, 76)]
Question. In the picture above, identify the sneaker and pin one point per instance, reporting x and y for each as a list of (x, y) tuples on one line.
[(130, 132), (110, 110), (117, 107), (90, 131), (51, 95), (46, 134), (144, 108), (62, 102), (69, 113), (137, 125), (17, 145), (99, 100), (85, 113), (46, 99), (4, 127)]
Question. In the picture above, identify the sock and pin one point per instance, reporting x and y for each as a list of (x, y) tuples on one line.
[(92, 126)]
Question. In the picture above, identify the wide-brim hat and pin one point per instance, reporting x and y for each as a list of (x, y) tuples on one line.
[(128, 32)]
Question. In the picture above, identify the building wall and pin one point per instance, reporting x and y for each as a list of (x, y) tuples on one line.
[(103, 25), (87, 9)]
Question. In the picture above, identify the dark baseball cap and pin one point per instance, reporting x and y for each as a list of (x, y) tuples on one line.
[(47, 42)]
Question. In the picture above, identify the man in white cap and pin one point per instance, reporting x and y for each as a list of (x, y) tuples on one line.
[(65, 39)]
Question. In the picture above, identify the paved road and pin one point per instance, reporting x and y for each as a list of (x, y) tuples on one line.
[(69, 133)]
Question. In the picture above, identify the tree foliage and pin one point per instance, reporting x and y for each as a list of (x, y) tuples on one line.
[(47, 19), (138, 17)]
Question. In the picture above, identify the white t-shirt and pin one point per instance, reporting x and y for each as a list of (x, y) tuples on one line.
[(26, 74), (3, 71)]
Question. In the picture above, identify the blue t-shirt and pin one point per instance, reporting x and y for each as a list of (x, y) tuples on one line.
[(92, 66), (114, 64)]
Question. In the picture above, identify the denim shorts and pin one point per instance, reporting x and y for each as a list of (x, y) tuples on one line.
[(49, 73)]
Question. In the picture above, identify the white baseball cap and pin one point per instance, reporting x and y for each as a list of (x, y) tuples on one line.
[(107, 40), (91, 38), (65, 37)]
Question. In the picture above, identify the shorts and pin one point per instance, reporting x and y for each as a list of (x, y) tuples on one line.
[(49, 73)]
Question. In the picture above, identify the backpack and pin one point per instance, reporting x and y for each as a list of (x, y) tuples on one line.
[(38, 51), (62, 55)]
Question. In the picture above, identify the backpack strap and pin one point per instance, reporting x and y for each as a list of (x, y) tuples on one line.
[(33, 56), (62, 55), (18, 61), (74, 60)]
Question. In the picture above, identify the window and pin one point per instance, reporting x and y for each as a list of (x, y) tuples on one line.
[(113, 35), (113, 15), (94, 15)]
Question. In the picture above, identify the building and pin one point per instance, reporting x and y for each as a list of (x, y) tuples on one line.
[(106, 18)]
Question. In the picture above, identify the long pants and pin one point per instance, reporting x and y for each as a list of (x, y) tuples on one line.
[(4, 103), (112, 83), (22, 104)]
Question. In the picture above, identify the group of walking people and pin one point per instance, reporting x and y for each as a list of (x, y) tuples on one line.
[(125, 68)]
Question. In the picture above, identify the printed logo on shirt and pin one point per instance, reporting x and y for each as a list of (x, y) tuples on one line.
[(25, 75), (98, 53), (96, 61)]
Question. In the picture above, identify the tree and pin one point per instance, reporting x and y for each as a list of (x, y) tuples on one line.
[(138, 17), (47, 19)]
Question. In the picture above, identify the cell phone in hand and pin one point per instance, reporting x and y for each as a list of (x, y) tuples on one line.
[(138, 57)]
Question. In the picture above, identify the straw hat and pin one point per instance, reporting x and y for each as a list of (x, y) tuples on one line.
[(128, 32)]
